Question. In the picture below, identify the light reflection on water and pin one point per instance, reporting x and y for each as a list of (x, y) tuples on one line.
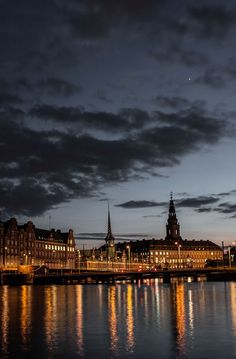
[(178, 320)]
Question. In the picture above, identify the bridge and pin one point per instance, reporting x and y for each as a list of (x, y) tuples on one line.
[(108, 277), (209, 274)]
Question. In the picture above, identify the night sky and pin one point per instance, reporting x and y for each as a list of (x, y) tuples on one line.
[(123, 101)]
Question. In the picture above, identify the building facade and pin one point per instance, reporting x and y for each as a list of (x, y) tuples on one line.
[(173, 251), (27, 245)]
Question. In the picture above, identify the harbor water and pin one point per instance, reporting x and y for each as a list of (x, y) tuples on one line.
[(149, 320)]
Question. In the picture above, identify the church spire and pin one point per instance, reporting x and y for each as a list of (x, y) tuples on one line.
[(172, 206), (109, 236), (172, 226), (110, 240)]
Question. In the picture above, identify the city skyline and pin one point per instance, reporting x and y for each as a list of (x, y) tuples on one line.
[(126, 102)]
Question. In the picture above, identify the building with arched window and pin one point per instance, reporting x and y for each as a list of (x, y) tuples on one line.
[(27, 245)]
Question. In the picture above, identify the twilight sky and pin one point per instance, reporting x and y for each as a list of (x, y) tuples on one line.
[(123, 100)]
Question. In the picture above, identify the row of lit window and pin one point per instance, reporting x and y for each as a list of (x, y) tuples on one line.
[(167, 253), (54, 247), (182, 260), (14, 250), (58, 248)]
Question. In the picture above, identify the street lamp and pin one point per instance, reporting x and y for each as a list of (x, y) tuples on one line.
[(79, 259), (179, 246), (128, 247), (229, 253), (229, 248)]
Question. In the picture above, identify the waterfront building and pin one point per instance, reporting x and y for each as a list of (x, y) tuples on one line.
[(173, 251), (28, 245)]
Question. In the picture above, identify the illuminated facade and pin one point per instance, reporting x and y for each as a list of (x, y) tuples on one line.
[(173, 251), (27, 245)]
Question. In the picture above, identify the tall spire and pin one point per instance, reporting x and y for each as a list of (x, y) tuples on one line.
[(172, 226), (109, 236), (110, 240), (172, 206)]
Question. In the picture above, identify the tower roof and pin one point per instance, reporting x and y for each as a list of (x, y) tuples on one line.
[(172, 226), (109, 236), (172, 206)]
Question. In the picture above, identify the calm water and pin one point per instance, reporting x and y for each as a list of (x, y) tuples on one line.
[(152, 320)]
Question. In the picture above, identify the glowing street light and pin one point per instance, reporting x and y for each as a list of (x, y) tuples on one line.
[(128, 247), (229, 248), (229, 253), (79, 259), (179, 246)]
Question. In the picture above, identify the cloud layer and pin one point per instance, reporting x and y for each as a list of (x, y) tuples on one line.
[(58, 164), (67, 69)]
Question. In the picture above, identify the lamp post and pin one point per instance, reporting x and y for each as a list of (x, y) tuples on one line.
[(229, 248), (79, 259), (223, 250), (179, 246), (128, 262), (229, 253), (233, 255)]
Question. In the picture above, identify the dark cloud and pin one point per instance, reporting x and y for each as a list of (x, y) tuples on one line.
[(153, 216), (97, 19), (29, 197), (204, 209), (51, 86), (174, 102), (94, 20), (230, 68), (53, 145), (192, 58), (196, 202), (8, 99), (226, 208), (214, 78), (11, 113), (180, 55), (213, 20), (102, 96), (55, 86), (139, 204), (125, 119), (67, 163), (194, 125), (227, 193)]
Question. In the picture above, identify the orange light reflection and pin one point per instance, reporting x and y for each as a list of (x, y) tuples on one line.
[(50, 316), (25, 317), (113, 318), (5, 318), (79, 315), (180, 317), (130, 319), (233, 306)]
